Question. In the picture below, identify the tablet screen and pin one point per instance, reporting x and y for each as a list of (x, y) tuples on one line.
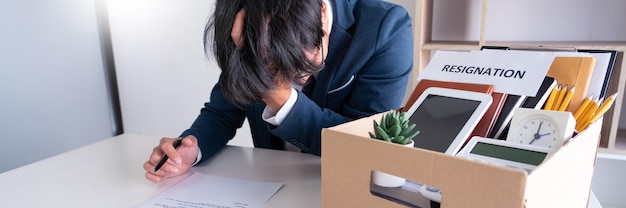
[(440, 119)]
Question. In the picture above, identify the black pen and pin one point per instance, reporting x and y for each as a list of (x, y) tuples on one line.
[(165, 157)]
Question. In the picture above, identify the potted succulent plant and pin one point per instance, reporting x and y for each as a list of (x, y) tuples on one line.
[(394, 127)]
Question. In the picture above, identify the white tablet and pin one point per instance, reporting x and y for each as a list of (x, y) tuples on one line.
[(446, 117)]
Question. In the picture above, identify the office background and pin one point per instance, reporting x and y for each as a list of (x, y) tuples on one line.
[(75, 72)]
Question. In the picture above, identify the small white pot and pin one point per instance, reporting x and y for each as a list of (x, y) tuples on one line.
[(387, 180)]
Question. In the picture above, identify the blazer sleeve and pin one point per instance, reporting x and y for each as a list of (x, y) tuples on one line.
[(216, 124), (379, 84)]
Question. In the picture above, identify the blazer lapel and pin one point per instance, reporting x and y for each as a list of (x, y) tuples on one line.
[(339, 42)]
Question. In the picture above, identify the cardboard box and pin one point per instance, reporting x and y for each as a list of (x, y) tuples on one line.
[(349, 156)]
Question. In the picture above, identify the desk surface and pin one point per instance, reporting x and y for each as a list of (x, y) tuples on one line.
[(110, 174)]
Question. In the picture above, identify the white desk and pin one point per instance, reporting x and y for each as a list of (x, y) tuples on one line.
[(110, 174)]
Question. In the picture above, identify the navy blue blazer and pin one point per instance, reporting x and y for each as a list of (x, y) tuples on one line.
[(369, 61)]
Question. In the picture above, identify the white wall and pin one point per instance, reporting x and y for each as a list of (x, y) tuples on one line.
[(531, 20), (53, 95), (163, 74), (556, 20)]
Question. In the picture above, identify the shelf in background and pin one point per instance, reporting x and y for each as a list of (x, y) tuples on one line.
[(451, 45), (595, 45), (474, 45), (427, 41)]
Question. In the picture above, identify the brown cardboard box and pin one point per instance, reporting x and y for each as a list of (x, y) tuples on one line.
[(349, 156)]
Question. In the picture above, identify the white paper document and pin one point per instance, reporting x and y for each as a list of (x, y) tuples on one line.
[(599, 73), (518, 74), (209, 191)]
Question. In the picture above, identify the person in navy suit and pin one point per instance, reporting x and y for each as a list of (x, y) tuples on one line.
[(293, 67)]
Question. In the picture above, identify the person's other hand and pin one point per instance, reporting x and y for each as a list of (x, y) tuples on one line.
[(277, 96), (179, 160), (237, 32)]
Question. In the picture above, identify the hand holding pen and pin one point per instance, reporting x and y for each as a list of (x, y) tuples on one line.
[(172, 157), (165, 157)]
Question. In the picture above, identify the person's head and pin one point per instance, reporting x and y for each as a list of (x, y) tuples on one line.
[(279, 41)]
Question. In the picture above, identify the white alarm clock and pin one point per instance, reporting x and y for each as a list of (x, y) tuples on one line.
[(545, 128)]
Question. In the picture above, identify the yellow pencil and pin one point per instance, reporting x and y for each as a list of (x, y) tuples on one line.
[(551, 98), (559, 99), (606, 105), (583, 107), (593, 106), (556, 96), (581, 120), (567, 99)]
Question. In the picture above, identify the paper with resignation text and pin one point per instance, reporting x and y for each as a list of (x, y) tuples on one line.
[(511, 73)]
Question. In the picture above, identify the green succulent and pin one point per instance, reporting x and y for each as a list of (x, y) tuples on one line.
[(394, 127)]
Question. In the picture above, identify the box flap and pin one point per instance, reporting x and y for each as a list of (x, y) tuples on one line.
[(564, 180)]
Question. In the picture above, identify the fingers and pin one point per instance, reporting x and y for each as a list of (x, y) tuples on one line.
[(158, 176), (180, 159), (276, 98), (167, 170), (167, 146), (154, 178), (237, 32), (155, 158), (190, 141), (302, 80)]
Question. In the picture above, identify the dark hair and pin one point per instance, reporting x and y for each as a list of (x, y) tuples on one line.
[(275, 37)]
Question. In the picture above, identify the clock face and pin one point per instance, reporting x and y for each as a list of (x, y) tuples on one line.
[(541, 127), (537, 130)]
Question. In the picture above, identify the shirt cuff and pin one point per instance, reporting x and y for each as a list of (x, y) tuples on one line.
[(198, 158), (276, 118)]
